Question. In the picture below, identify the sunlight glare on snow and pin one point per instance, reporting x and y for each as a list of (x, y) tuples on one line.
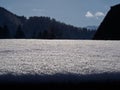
[(59, 56)]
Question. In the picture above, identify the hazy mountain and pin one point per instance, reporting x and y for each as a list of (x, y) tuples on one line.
[(40, 27), (92, 27)]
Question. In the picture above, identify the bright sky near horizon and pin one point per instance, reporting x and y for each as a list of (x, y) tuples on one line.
[(79, 13)]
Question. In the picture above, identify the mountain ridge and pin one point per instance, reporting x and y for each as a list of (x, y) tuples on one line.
[(9, 19), (41, 27), (110, 27)]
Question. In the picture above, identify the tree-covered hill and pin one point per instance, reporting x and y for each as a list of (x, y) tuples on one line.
[(39, 28)]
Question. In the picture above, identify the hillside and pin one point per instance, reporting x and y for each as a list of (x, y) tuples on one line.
[(110, 27), (38, 28), (10, 20)]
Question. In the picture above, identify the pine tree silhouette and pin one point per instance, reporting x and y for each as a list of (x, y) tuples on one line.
[(4, 32), (19, 33)]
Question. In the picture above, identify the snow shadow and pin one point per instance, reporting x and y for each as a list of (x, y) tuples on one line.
[(61, 78), (62, 81)]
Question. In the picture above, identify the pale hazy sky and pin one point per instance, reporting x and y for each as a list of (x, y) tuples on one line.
[(75, 12)]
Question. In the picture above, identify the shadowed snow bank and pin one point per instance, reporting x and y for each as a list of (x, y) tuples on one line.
[(61, 78)]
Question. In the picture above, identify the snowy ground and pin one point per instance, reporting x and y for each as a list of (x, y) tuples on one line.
[(84, 57)]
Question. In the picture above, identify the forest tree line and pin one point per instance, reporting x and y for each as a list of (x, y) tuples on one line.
[(45, 28)]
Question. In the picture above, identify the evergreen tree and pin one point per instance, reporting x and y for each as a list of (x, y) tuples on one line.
[(40, 35), (4, 32), (19, 33), (45, 35), (51, 33)]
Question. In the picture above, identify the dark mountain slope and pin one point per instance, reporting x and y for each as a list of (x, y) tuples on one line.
[(10, 20), (110, 27)]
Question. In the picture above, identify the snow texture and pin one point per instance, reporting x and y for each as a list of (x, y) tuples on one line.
[(21, 57)]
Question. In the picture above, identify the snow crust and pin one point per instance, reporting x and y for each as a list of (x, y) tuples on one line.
[(59, 56)]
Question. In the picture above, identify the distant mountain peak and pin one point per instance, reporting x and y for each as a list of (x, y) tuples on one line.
[(92, 27)]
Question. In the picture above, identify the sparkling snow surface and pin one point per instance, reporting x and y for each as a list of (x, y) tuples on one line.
[(59, 56)]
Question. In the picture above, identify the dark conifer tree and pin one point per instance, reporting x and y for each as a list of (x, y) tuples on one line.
[(40, 35), (4, 32), (19, 33), (45, 35), (51, 33)]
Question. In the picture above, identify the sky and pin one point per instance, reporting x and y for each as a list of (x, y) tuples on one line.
[(79, 13)]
